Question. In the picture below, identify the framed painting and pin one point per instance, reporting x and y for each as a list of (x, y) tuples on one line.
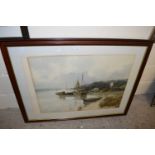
[(74, 78)]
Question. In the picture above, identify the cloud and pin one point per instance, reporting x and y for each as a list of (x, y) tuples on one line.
[(64, 71)]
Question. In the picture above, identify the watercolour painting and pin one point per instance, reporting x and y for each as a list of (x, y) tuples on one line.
[(80, 82)]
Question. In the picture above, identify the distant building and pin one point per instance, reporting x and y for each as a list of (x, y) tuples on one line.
[(95, 90), (111, 84)]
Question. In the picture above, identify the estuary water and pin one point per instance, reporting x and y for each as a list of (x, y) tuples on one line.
[(50, 102)]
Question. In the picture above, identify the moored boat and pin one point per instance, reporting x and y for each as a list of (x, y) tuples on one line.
[(63, 93), (60, 93), (77, 91), (90, 100)]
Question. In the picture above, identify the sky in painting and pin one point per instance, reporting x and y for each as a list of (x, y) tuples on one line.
[(62, 72)]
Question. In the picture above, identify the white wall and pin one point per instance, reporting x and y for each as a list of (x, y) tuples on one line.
[(146, 85), (134, 32), (147, 82), (10, 31)]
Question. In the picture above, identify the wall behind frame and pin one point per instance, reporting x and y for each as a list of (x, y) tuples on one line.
[(146, 85)]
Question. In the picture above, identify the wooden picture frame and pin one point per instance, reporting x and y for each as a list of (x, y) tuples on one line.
[(6, 45)]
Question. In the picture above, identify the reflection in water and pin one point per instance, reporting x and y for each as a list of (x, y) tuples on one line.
[(76, 97), (50, 102), (62, 97)]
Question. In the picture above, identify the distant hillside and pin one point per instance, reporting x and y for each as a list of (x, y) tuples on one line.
[(117, 85)]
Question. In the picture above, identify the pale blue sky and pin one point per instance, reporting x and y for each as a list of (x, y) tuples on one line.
[(62, 72)]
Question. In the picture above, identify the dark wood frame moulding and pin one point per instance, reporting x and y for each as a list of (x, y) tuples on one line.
[(62, 42), (25, 32)]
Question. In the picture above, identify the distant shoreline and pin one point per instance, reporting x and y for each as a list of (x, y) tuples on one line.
[(84, 86)]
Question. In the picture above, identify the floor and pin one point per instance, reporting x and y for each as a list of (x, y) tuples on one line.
[(140, 115)]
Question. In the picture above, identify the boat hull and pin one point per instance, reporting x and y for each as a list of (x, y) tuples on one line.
[(91, 100)]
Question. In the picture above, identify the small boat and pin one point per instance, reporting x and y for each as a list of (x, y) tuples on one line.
[(90, 100), (76, 92), (63, 93), (60, 93), (69, 93)]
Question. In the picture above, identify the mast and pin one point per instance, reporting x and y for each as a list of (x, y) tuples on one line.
[(77, 86), (82, 79)]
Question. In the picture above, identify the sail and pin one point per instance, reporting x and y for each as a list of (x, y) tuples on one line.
[(77, 86)]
